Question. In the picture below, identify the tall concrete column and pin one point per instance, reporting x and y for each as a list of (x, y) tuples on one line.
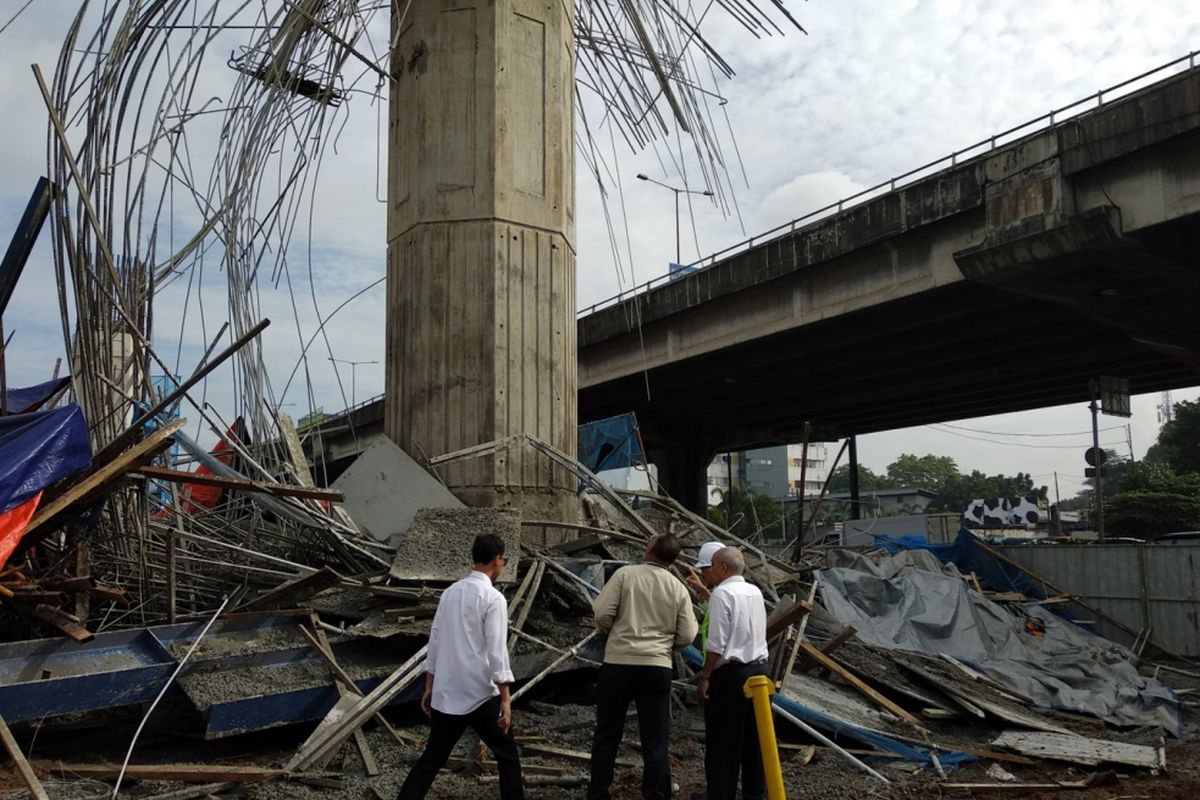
[(481, 244)]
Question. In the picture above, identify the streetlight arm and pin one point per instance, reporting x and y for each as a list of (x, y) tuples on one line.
[(643, 177)]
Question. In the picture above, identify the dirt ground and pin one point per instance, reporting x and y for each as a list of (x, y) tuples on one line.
[(828, 776)]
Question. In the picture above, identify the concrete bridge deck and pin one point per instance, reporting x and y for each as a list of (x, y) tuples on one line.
[(1000, 283)]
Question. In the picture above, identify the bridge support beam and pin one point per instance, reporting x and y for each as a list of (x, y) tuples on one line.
[(481, 255)]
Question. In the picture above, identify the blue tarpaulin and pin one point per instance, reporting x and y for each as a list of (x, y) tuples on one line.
[(39, 449), (611, 443), (30, 398), (842, 728), (965, 554)]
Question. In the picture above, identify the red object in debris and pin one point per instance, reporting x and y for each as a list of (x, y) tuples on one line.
[(195, 496), (13, 524)]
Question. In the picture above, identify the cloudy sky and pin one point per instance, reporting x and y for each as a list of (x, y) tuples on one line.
[(876, 88)]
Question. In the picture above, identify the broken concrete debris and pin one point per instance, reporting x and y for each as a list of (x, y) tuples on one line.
[(438, 542), (892, 662)]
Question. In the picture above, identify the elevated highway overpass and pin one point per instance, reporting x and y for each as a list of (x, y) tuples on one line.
[(1003, 282), (1000, 280)]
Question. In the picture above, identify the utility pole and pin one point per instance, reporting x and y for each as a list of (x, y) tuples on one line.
[(1099, 479)]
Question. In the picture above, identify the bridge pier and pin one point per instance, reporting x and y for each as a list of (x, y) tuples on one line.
[(682, 463), (481, 255)]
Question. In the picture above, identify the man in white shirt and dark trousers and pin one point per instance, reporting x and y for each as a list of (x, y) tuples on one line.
[(736, 650), (467, 675), (646, 612)]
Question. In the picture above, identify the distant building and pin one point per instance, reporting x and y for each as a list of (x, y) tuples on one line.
[(770, 471), (905, 501)]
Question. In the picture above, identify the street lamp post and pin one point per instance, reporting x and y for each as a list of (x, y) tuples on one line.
[(677, 192), (353, 367)]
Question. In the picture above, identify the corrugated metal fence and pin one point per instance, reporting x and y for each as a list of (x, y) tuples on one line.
[(1155, 586)]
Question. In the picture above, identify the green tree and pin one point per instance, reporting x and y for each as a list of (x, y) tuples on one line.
[(958, 492), (868, 481), (1178, 444), (1148, 515), (927, 472), (1146, 476)]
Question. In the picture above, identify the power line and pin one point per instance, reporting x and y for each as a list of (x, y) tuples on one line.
[(1016, 444), (1006, 433)]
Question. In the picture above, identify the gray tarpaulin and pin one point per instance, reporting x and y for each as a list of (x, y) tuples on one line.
[(910, 601)]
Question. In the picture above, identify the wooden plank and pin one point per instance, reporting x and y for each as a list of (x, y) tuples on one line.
[(526, 768), (984, 679), (288, 594), (839, 640), (181, 773), (1079, 749), (784, 620), (1093, 780), (977, 702), (23, 766), (572, 755), (830, 664), (518, 624), (321, 644), (340, 724), (994, 755), (192, 792), (541, 780), (56, 617), (146, 449), (238, 484), (110, 593)]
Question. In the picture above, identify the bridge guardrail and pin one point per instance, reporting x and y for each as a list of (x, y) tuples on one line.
[(1044, 122)]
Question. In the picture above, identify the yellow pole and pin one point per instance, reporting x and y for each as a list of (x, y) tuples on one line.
[(759, 689)]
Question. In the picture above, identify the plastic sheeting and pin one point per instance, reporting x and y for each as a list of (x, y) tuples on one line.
[(610, 443), (845, 729), (30, 398), (13, 524), (965, 554), (911, 601), (39, 449)]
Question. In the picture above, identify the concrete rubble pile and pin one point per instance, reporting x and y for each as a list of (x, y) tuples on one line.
[(894, 670)]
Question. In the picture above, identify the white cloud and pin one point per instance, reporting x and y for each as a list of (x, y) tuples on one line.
[(877, 88)]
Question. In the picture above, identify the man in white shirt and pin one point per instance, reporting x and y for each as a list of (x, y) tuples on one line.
[(646, 613), (736, 650), (467, 675)]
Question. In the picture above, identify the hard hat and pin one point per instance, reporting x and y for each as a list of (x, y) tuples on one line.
[(707, 551)]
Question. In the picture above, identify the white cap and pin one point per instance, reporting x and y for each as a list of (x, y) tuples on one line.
[(707, 551)]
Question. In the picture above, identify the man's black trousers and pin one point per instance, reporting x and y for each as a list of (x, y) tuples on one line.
[(444, 733), (730, 735), (650, 689)]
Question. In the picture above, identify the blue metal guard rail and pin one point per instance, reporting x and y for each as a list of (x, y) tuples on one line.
[(1053, 118)]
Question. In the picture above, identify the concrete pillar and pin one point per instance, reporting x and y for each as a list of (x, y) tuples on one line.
[(683, 469), (481, 244)]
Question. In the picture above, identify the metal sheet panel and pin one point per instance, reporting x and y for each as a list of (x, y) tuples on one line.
[(1153, 585)]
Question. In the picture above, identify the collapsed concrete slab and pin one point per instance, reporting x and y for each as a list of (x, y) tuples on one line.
[(385, 488), (437, 545)]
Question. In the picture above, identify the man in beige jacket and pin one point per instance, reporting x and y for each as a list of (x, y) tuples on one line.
[(646, 612)]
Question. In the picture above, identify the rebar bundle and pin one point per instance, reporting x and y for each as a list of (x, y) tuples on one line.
[(186, 139)]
